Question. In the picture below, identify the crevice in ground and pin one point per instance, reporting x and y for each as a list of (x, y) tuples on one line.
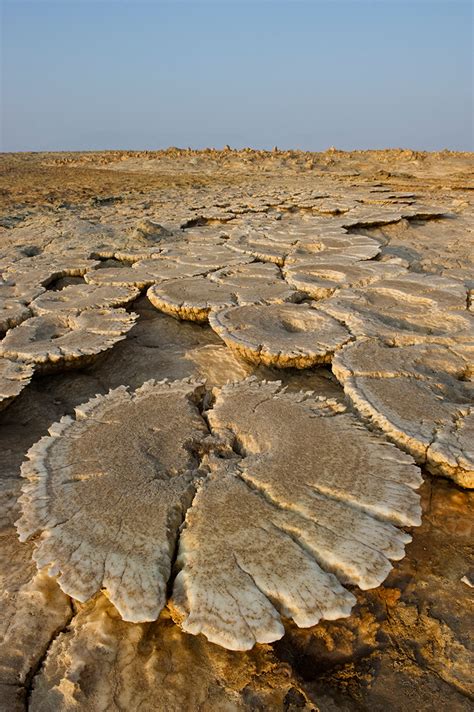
[(28, 685)]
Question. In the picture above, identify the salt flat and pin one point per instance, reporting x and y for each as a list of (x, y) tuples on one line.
[(236, 430)]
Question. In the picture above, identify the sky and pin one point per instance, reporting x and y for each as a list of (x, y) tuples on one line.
[(302, 74)]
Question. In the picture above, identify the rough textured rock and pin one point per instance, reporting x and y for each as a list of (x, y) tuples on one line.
[(327, 514), (418, 396), (78, 297), (56, 341), (282, 335), (108, 520), (14, 376)]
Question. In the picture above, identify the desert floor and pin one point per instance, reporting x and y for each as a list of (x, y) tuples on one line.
[(406, 644)]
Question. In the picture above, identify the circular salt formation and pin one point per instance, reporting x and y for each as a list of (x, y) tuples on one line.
[(273, 528), (412, 308), (190, 299), (164, 269), (283, 335), (277, 529), (79, 297), (256, 283), (135, 255), (121, 277), (335, 247), (193, 298), (56, 341), (321, 280), (204, 256), (246, 274), (12, 313), (14, 376), (107, 493), (41, 270), (14, 300), (17, 291), (263, 249), (419, 397)]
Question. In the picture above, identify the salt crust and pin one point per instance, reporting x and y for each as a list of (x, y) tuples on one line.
[(270, 477)]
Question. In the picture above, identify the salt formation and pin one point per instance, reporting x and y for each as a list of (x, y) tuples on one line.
[(321, 279), (132, 255), (305, 243), (412, 308), (164, 269), (246, 274), (419, 397), (120, 277), (14, 376), (333, 245), (14, 300), (194, 297), (325, 512), (263, 249), (366, 216), (283, 335), (108, 517), (42, 270), (62, 340), (256, 283), (190, 298), (76, 298), (288, 502), (156, 668), (12, 313), (190, 260), (207, 255)]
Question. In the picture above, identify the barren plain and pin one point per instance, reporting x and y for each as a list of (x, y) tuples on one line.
[(236, 431)]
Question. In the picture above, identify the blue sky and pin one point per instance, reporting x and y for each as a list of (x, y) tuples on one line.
[(85, 74)]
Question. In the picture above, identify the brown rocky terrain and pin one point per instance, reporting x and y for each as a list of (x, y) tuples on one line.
[(374, 248)]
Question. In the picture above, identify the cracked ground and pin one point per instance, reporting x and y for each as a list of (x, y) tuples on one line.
[(406, 643)]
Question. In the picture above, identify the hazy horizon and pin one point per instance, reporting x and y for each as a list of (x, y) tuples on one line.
[(117, 75)]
